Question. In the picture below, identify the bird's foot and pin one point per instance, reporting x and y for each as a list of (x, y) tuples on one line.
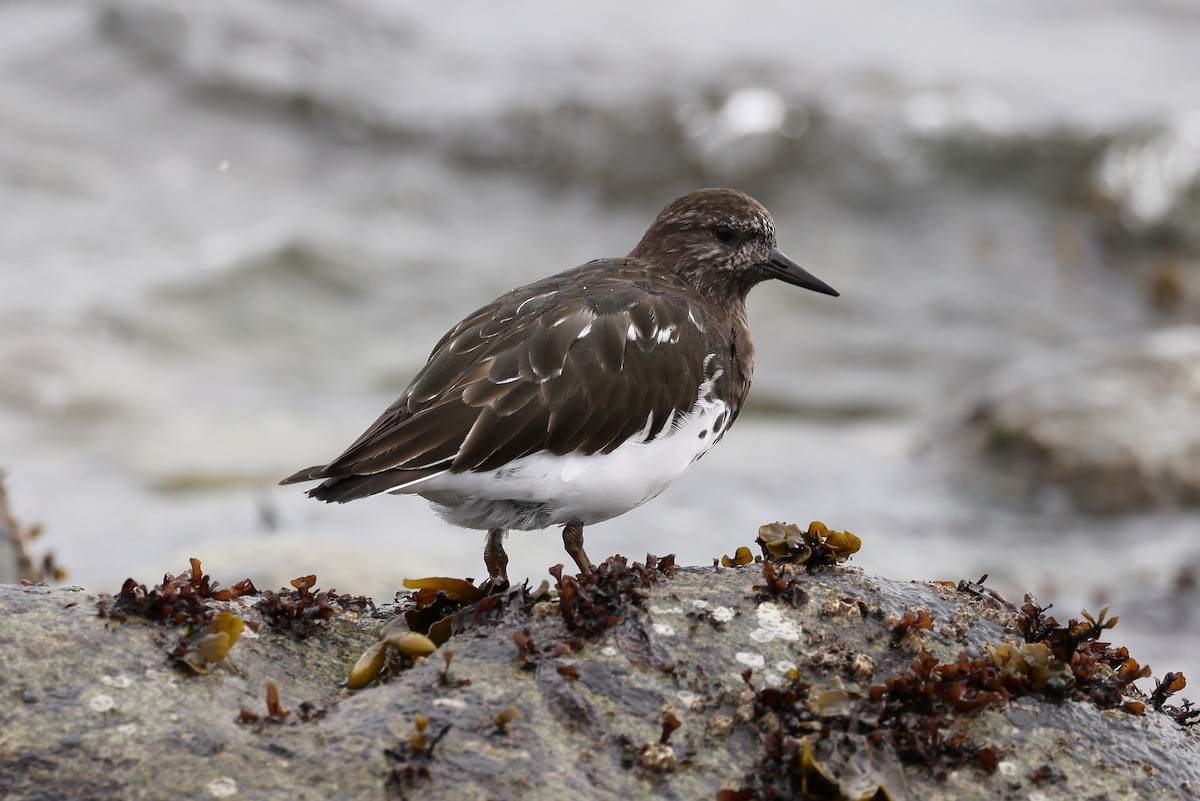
[(494, 585), (496, 559), (573, 542)]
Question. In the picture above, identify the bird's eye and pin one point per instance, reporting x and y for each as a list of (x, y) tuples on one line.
[(724, 233)]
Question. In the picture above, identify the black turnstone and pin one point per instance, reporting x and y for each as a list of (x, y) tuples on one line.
[(576, 398)]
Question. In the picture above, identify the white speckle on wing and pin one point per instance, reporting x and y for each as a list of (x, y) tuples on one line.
[(587, 329), (535, 297), (644, 433), (666, 334), (711, 380), (407, 489)]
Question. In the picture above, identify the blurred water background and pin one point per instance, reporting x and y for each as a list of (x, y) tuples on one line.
[(232, 231)]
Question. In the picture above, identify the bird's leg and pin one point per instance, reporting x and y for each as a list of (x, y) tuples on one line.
[(573, 542), (496, 560)]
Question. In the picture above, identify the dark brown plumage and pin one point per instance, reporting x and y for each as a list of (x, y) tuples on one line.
[(617, 352)]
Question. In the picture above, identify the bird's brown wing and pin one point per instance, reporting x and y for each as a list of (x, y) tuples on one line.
[(575, 363)]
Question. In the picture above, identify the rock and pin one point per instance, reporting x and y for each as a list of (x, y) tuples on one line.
[(1113, 426), (637, 685)]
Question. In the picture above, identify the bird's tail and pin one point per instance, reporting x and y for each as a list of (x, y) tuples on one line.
[(343, 488)]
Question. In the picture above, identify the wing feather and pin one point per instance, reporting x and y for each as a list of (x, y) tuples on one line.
[(552, 367)]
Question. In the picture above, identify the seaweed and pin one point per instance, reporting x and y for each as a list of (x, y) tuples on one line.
[(742, 556), (277, 715), (816, 547), (984, 594), (912, 621), (301, 611), (183, 600), (857, 747), (860, 750), (188, 601), (410, 760), (776, 587), (1075, 655), (1172, 683), (397, 650), (591, 604)]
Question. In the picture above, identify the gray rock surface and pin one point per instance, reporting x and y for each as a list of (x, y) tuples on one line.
[(91, 707), (1114, 426)]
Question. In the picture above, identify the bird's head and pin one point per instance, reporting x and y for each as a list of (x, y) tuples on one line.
[(723, 243)]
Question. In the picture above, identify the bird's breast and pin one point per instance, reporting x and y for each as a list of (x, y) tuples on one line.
[(544, 489)]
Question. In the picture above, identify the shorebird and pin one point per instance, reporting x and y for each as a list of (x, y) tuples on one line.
[(579, 397)]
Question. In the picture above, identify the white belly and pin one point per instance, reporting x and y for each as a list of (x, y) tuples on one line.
[(542, 490)]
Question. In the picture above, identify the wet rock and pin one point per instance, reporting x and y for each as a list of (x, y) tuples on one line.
[(676, 687), (1113, 427)]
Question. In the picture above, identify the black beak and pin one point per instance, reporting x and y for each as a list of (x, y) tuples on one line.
[(781, 267)]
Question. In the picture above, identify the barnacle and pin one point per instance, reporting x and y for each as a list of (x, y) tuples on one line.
[(657, 757)]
